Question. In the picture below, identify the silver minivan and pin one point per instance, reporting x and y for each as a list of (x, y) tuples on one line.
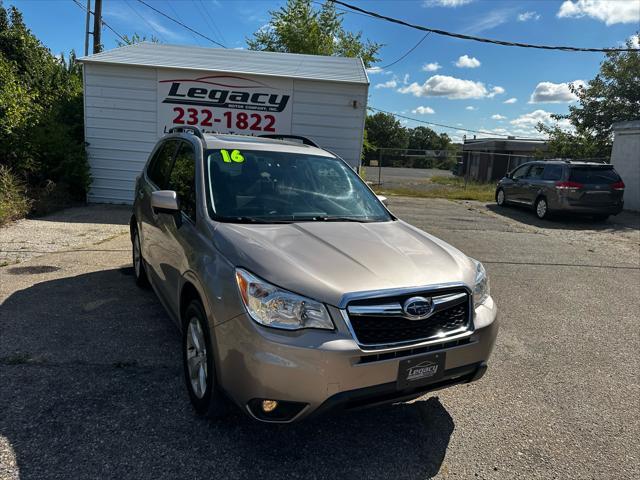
[(295, 289)]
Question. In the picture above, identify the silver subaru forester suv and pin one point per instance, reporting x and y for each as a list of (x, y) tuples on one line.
[(295, 289)]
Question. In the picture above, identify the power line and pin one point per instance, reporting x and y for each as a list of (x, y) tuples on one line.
[(213, 25), (198, 40), (484, 132), (145, 20), (478, 39), (181, 24), (103, 22), (408, 51)]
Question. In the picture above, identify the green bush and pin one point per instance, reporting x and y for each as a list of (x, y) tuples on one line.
[(14, 203), (41, 113)]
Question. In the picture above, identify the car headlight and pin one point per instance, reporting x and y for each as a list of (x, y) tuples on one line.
[(481, 285), (274, 307)]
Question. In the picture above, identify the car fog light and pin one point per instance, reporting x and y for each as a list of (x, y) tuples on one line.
[(269, 405)]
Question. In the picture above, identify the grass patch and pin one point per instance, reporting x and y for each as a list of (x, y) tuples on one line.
[(14, 203), (450, 188)]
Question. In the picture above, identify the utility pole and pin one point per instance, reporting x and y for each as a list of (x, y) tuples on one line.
[(97, 26), (86, 30)]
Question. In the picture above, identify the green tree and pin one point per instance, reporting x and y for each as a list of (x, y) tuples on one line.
[(612, 96), (136, 38), (41, 119), (298, 28), (385, 131), (424, 138)]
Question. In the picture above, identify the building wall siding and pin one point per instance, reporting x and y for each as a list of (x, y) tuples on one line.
[(625, 157)]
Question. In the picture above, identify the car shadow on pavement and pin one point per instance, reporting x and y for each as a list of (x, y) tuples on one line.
[(92, 387), (92, 213), (625, 221)]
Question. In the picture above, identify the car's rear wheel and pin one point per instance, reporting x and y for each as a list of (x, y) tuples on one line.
[(542, 208), (139, 269), (500, 197), (199, 365)]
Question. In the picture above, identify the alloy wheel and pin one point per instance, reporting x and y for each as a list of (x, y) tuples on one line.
[(500, 197), (541, 208), (137, 257), (196, 357)]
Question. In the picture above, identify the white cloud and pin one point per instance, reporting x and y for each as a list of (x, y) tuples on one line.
[(490, 20), (445, 3), (465, 61), (495, 91), (526, 16), (450, 87), (374, 70), (423, 110), (608, 11), (549, 92), (431, 67), (405, 80), (387, 84), (470, 108), (497, 116), (528, 121), (511, 100)]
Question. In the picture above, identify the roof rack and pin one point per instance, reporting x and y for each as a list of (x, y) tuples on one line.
[(277, 136), (187, 128)]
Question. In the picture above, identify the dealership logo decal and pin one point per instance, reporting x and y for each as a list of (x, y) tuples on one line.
[(418, 308), (225, 91), (422, 370)]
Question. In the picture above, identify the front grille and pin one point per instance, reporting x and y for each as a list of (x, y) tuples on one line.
[(392, 327)]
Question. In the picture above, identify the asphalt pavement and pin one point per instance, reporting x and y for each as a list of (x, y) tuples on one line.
[(91, 381)]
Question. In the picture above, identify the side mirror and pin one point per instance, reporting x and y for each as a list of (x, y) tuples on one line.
[(508, 175), (164, 201), (383, 200)]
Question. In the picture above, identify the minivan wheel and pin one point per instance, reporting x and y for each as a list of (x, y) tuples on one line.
[(199, 366), (542, 209), (138, 262), (500, 198)]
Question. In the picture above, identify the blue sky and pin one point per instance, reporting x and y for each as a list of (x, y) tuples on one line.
[(455, 82)]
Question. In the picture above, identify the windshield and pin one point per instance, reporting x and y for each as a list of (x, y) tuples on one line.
[(271, 187)]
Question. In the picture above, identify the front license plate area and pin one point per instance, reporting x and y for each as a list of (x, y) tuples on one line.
[(415, 372)]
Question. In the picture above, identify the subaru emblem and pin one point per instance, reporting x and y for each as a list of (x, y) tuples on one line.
[(418, 308)]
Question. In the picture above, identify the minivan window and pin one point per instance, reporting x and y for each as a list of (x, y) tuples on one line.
[(182, 179), (552, 172), (536, 171), (595, 174), (268, 186), (520, 172), (158, 171)]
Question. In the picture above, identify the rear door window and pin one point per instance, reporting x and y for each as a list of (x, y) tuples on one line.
[(588, 175), (536, 171), (552, 172), (183, 177), (160, 166)]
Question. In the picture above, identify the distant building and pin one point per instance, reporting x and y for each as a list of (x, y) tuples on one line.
[(625, 157), (487, 159)]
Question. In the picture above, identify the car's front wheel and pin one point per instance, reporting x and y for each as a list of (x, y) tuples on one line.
[(542, 208), (199, 364), (139, 269), (500, 197)]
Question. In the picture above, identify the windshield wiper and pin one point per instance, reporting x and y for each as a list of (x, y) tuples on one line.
[(243, 219), (341, 219)]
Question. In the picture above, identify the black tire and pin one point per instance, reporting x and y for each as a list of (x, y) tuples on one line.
[(139, 268), (212, 403), (501, 198), (601, 218), (541, 208)]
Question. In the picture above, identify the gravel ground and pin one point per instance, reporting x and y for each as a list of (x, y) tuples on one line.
[(91, 383), (64, 230)]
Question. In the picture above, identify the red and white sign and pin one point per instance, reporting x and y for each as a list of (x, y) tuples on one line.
[(224, 103)]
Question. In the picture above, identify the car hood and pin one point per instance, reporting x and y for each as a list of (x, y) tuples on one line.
[(326, 260)]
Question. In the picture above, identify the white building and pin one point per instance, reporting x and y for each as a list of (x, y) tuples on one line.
[(625, 157), (134, 94)]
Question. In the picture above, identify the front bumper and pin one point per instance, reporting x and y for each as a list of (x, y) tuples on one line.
[(320, 370)]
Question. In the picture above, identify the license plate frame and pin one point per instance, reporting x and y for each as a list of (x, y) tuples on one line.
[(419, 371)]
